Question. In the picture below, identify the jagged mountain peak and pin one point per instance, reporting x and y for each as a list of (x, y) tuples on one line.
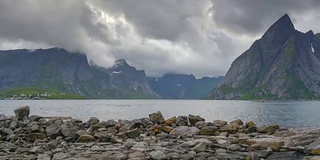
[(280, 31), (283, 64), (121, 62)]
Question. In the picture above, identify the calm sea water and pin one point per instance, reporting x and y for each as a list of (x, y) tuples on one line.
[(294, 114)]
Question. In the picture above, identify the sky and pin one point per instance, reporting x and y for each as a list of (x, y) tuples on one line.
[(200, 37)]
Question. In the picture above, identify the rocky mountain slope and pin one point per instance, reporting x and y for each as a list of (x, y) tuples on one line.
[(283, 64), (182, 86), (61, 71)]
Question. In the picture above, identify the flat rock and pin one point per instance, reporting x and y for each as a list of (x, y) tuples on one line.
[(314, 147), (43, 157), (158, 155), (201, 147), (60, 156), (285, 156), (185, 130)]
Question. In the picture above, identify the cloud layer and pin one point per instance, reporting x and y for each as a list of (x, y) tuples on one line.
[(201, 37)]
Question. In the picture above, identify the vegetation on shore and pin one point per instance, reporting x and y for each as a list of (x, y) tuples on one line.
[(36, 93)]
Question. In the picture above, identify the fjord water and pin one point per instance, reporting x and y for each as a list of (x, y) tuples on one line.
[(293, 114)]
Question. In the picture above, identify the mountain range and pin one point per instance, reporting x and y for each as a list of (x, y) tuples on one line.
[(60, 72), (283, 64), (183, 86)]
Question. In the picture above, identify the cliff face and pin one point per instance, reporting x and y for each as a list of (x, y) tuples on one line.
[(59, 70), (283, 64)]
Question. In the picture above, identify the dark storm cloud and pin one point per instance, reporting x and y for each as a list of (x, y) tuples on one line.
[(255, 16), (201, 37)]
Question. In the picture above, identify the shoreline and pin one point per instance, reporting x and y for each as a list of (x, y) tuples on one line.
[(183, 137)]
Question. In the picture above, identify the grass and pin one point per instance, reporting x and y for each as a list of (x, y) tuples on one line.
[(31, 92)]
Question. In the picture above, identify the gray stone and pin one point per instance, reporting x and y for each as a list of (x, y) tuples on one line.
[(133, 133), (219, 123), (2, 116), (86, 138), (234, 147), (156, 118), (43, 157), (35, 118), (158, 155), (53, 131), (182, 121), (193, 119), (208, 130), (184, 130), (111, 123), (293, 155), (137, 155), (201, 147), (93, 120), (36, 149), (314, 147), (97, 148), (33, 136), (22, 112), (60, 156), (34, 127), (69, 132), (237, 122), (103, 136)]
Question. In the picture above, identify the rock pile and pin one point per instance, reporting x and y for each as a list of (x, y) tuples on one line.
[(183, 137)]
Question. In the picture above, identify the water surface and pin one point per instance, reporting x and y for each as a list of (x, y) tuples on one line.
[(296, 114)]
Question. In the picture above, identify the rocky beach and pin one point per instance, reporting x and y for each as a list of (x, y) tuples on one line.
[(25, 136)]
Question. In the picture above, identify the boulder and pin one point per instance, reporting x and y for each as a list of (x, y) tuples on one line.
[(34, 127), (134, 133), (22, 112), (2, 116), (230, 128), (237, 121), (145, 121), (201, 147), (171, 121), (250, 124), (219, 123), (69, 132), (93, 120), (292, 155), (193, 119), (33, 136), (35, 118), (103, 136), (314, 147), (184, 130), (182, 121), (263, 143), (53, 131), (272, 128), (157, 155), (208, 130), (86, 138), (167, 129), (156, 118)]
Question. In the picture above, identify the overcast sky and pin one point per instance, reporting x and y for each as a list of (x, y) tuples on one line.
[(201, 37)]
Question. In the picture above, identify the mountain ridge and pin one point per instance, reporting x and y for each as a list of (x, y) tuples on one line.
[(283, 64), (63, 71)]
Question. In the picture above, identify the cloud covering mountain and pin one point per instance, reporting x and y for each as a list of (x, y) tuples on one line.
[(201, 37)]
